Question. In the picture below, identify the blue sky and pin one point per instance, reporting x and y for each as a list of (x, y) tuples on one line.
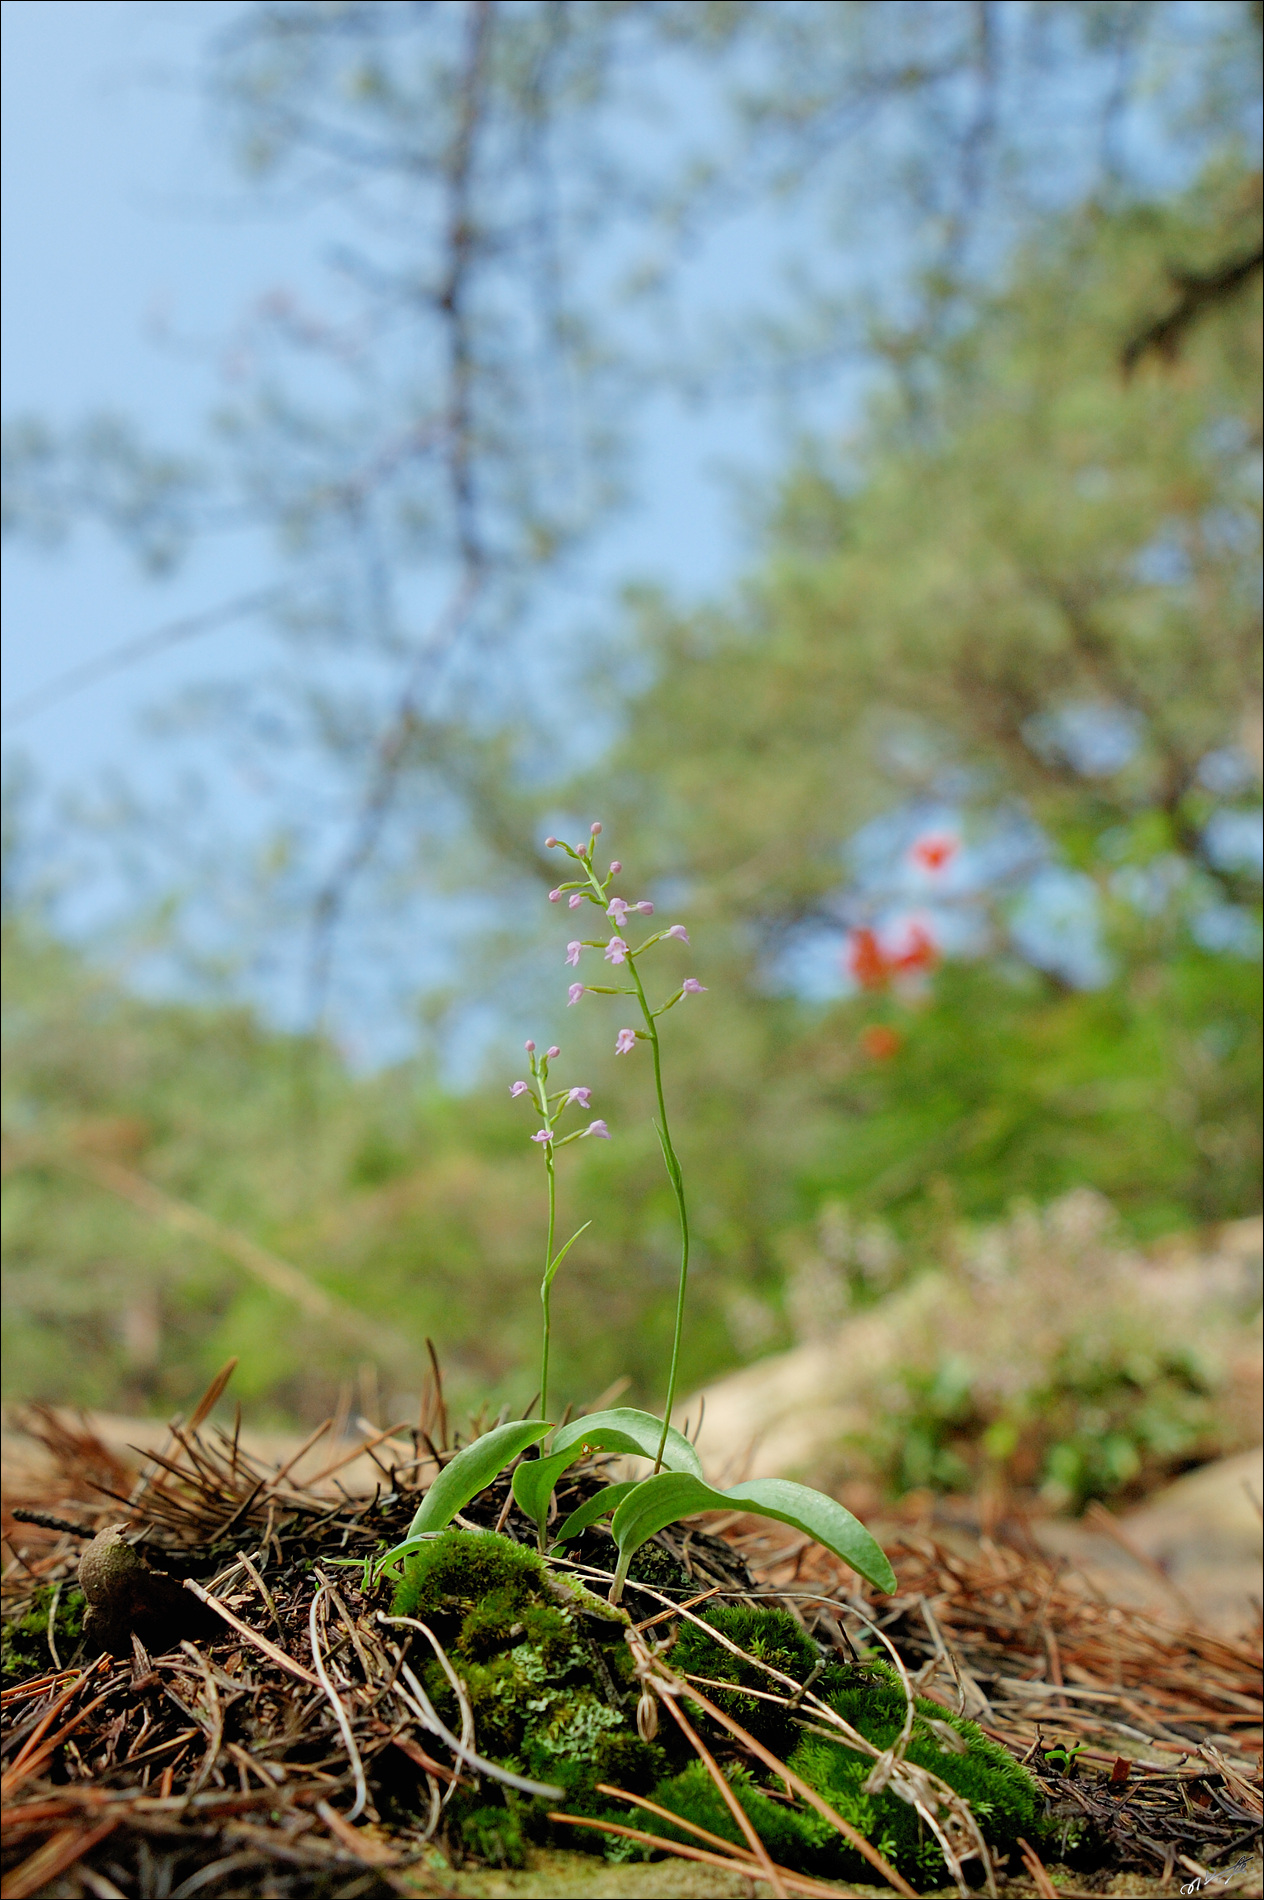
[(129, 252)]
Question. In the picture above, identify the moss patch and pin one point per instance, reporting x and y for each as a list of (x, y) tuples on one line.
[(553, 1694), (24, 1649)]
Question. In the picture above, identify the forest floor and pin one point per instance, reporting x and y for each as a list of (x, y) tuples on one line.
[(257, 1742)]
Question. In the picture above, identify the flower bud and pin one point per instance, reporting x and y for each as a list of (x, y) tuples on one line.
[(595, 828), (529, 1047), (553, 896), (554, 1051), (550, 844), (615, 868)]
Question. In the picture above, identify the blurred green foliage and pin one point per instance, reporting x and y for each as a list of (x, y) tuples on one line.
[(1020, 529)]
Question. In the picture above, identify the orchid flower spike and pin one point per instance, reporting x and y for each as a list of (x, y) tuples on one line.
[(573, 994), (599, 1129), (518, 1088), (624, 1042)]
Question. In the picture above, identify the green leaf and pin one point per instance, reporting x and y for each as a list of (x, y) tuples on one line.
[(670, 1495), (472, 1470), (595, 1507), (628, 1430), (624, 1429), (558, 1258), (533, 1483)]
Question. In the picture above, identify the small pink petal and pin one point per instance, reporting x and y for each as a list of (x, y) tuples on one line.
[(543, 1134), (599, 1129), (573, 994), (518, 1088), (692, 987), (624, 1041), (678, 930)]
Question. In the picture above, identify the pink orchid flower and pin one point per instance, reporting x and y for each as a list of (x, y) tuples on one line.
[(518, 1088), (573, 949), (645, 907), (692, 987), (582, 1096), (624, 1041), (618, 909), (573, 994), (678, 930), (543, 1134), (616, 951), (599, 1129)]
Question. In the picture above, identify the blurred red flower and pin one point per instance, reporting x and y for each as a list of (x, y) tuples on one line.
[(935, 850)]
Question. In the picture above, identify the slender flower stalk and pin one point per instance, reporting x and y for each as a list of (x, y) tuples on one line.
[(551, 1106), (678, 1189), (623, 955)]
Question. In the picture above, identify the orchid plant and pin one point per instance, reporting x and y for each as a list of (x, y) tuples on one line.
[(675, 1487)]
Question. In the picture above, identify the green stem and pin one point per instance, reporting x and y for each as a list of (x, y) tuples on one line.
[(620, 1576), (678, 1188), (545, 1286)]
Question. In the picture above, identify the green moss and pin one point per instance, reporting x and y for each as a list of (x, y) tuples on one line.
[(463, 1572), (793, 1837), (493, 1835), (548, 1676), (1003, 1796), (553, 1694), (774, 1638), (24, 1650)]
